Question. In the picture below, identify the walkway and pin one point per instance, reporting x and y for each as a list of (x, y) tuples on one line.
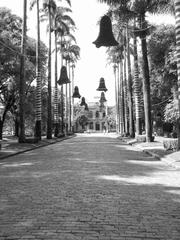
[(88, 188)]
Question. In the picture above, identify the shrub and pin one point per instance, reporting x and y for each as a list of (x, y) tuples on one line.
[(171, 144), (141, 138)]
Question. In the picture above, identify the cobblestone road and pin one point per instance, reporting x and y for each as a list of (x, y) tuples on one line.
[(88, 188)]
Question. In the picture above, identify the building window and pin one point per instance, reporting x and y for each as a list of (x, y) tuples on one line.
[(97, 114), (97, 126), (104, 114), (91, 125)]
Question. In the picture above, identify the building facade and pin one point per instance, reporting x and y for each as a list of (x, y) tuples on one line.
[(96, 119)]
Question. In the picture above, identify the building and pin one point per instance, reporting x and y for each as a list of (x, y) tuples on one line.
[(95, 120)]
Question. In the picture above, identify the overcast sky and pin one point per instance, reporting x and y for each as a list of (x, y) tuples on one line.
[(92, 64)]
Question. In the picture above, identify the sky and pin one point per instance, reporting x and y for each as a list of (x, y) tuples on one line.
[(92, 64)]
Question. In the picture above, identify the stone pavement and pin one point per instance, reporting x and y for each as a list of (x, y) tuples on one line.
[(10, 146), (91, 187)]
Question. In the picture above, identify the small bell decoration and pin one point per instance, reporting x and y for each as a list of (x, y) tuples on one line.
[(63, 79), (83, 102), (86, 107), (76, 93), (102, 86), (102, 99), (106, 37)]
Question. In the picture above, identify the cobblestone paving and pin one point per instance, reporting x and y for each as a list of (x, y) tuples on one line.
[(88, 188)]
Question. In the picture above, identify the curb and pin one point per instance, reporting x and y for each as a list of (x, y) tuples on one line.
[(35, 147), (168, 160)]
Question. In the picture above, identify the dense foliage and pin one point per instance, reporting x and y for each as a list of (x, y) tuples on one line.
[(10, 44)]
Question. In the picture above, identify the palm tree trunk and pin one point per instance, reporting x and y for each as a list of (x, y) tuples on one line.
[(70, 107), (73, 98), (121, 104), (177, 14), (137, 97), (126, 113), (22, 77), (116, 97), (146, 83), (129, 86), (56, 131), (49, 118), (38, 79)]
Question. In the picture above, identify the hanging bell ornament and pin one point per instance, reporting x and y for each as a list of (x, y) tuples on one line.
[(63, 79), (102, 86), (102, 99), (76, 93), (106, 37), (83, 102)]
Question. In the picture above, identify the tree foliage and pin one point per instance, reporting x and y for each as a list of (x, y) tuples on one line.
[(10, 43), (161, 47)]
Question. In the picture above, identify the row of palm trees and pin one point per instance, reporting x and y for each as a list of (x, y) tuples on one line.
[(62, 25), (130, 18)]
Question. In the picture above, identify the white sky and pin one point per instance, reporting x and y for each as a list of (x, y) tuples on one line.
[(92, 65)]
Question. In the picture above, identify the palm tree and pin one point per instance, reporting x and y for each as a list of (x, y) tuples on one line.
[(70, 53), (140, 8), (61, 23), (49, 7), (38, 74), (122, 16), (22, 76), (115, 56)]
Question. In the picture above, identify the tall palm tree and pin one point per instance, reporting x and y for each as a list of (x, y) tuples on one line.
[(72, 53), (38, 73), (140, 8), (115, 55), (122, 16), (49, 7), (22, 75), (60, 26)]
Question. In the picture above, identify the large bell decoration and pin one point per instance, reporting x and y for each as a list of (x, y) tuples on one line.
[(76, 93), (102, 98), (63, 79), (83, 102), (102, 86), (106, 37)]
